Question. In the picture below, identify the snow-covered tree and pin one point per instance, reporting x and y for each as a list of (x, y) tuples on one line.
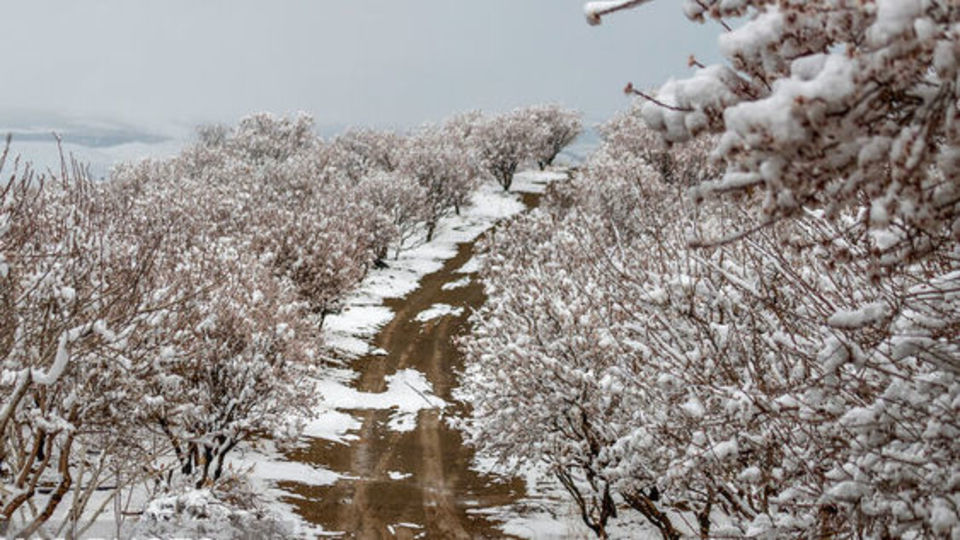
[(232, 345), (445, 170), (556, 128), (300, 213), (837, 120), (359, 152), (75, 289), (459, 127), (264, 136), (626, 137), (830, 105), (142, 322), (231, 361), (503, 142), (402, 200)]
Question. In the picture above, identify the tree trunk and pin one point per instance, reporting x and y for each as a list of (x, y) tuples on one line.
[(62, 488), (221, 456), (641, 503), (607, 507)]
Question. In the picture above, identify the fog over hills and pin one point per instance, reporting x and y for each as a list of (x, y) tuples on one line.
[(100, 143), (97, 143)]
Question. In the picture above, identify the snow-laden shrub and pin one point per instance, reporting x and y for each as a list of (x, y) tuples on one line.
[(74, 290)]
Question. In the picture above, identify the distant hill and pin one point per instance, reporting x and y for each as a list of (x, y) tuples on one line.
[(39, 126), (97, 143), (91, 137)]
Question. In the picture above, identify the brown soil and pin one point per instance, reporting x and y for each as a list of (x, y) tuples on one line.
[(437, 499)]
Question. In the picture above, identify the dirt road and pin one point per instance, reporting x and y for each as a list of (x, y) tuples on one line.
[(418, 483)]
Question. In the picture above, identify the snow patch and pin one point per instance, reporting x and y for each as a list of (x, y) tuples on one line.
[(332, 425), (458, 284), (408, 392), (438, 310), (470, 267)]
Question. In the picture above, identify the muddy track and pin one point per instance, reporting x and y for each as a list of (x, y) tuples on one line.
[(436, 499)]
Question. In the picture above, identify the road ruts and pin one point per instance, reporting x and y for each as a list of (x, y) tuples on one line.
[(442, 495)]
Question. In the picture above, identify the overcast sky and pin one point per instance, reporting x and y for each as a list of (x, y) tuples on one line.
[(171, 64)]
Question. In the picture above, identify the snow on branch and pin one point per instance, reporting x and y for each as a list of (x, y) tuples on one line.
[(595, 10), (61, 358)]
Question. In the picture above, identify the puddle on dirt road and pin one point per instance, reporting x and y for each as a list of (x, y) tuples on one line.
[(414, 483)]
